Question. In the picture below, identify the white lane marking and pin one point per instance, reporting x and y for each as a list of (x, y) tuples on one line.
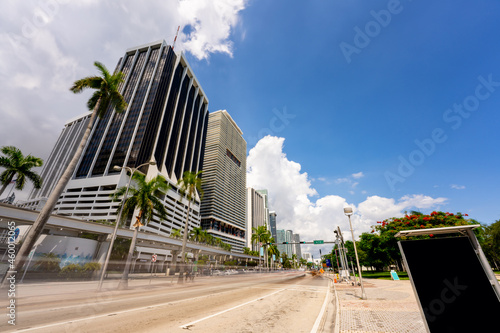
[(322, 312), (230, 309)]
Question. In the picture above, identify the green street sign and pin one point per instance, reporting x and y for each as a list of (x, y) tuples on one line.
[(318, 242)]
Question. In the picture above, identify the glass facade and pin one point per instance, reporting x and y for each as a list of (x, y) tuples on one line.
[(165, 110)]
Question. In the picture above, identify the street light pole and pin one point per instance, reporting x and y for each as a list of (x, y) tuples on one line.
[(348, 212), (115, 230)]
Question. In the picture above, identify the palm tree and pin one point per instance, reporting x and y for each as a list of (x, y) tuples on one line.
[(190, 185), (143, 197), (273, 249), (19, 166), (197, 235), (205, 236), (105, 98), (294, 258), (261, 235), (176, 233)]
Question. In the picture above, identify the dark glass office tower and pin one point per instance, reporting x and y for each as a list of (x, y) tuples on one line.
[(166, 119)]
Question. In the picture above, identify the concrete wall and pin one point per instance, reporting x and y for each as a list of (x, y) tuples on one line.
[(71, 250)]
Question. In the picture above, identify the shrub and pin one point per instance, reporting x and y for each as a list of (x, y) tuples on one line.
[(71, 271), (91, 267), (48, 262)]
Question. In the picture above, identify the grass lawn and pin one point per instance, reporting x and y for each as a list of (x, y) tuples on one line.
[(384, 275)]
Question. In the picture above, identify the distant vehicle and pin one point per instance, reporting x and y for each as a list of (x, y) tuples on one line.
[(217, 272)]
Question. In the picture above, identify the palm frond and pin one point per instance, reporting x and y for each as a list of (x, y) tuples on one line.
[(34, 178), (100, 66)]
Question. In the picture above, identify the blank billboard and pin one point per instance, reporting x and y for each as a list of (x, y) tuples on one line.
[(453, 289)]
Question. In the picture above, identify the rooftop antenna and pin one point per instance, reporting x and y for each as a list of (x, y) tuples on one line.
[(173, 44)]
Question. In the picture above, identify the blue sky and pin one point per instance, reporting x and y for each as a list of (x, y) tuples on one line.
[(359, 98), (364, 115)]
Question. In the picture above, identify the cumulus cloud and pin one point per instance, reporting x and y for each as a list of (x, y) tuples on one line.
[(46, 45), (457, 187), (210, 24), (299, 207)]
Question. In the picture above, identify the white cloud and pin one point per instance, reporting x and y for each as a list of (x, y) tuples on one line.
[(46, 45), (457, 187), (211, 23), (342, 180), (292, 197), (357, 175)]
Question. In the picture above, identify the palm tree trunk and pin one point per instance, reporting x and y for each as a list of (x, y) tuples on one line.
[(43, 217), (5, 185), (124, 280), (184, 241)]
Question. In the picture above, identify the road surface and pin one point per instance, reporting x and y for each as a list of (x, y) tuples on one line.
[(271, 302)]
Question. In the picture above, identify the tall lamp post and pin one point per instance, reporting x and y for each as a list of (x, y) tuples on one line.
[(348, 212), (115, 230)]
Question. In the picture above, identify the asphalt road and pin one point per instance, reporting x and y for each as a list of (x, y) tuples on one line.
[(273, 302)]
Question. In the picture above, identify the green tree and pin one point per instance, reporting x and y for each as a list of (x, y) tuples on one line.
[(209, 239), (286, 261), (19, 166), (190, 187), (303, 262), (376, 255), (106, 98), (198, 235), (143, 196), (246, 250), (176, 233), (491, 243)]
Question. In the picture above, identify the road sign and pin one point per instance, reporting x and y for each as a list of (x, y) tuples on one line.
[(318, 242), (154, 257)]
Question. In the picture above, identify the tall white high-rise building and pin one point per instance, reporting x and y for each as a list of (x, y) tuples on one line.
[(256, 214), (296, 247), (224, 181)]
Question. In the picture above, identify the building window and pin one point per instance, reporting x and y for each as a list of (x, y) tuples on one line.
[(233, 158)]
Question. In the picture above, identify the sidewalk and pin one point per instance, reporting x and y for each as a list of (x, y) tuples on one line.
[(390, 306)]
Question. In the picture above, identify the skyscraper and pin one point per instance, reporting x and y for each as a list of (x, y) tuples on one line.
[(288, 236), (58, 160), (296, 247), (256, 214), (224, 181), (272, 224), (166, 120)]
